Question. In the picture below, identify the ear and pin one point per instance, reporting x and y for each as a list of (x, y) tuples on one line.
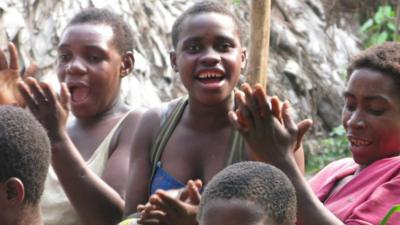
[(172, 58), (13, 192), (127, 63), (244, 58)]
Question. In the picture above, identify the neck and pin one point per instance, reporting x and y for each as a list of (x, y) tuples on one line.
[(28, 215), (117, 107), (204, 116)]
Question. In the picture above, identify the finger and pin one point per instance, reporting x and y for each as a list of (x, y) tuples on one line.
[(244, 111), (168, 203), (303, 127), (154, 215), (276, 108), (3, 61), (14, 64), (287, 119), (149, 222), (261, 99), (65, 97), (194, 193), (49, 93), (37, 91), (31, 71), (234, 120), (26, 94), (140, 208)]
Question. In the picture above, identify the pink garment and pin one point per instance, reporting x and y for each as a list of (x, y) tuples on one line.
[(366, 198)]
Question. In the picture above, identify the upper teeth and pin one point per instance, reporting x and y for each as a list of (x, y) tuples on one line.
[(359, 142), (210, 75)]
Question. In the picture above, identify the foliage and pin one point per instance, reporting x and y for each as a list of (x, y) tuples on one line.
[(330, 149), (395, 209), (380, 28)]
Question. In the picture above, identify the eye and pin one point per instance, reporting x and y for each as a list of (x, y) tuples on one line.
[(224, 46), (193, 48), (64, 57), (94, 58)]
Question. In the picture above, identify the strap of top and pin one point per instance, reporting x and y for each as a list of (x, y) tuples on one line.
[(168, 127)]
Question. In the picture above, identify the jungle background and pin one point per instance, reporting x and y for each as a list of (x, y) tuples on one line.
[(311, 43)]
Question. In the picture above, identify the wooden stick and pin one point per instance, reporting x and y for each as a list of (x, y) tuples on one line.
[(257, 68)]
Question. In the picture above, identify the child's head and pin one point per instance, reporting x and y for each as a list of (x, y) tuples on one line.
[(371, 113), (248, 193), (24, 159), (94, 53), (208, 53)]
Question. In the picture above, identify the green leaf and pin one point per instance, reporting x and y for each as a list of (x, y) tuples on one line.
[(393, 210), (382, 37), (367, 25)]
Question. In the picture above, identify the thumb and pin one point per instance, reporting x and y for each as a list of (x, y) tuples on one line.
[(303, 127)]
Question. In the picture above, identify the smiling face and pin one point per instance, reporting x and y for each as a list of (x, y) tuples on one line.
[(90, 65), (208, 57), (371, 116), (233, 212)]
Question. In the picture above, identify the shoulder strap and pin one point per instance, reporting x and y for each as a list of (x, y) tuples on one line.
[(237, 148), (165, 133)]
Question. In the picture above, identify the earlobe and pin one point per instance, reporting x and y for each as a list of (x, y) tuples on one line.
[(15, 191), (128, 61), (244, 58)]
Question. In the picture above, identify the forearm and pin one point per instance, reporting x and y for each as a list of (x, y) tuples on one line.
[(309, 209), (94, 200)]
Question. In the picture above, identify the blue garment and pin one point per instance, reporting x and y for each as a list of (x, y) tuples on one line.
[(163, 180)]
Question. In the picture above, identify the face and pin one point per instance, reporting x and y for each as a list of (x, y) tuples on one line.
[(209, 57), (371, 116), (233, 212), (90, 65)]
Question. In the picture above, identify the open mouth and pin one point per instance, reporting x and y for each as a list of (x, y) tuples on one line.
[(210, 76), (359, 142), (79, 92)]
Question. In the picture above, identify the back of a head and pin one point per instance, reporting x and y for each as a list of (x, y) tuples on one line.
[(123, 34), (201, 7), (384, 58), (257, 182), (24, 151)]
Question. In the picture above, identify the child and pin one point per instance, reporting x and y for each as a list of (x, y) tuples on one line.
[(357, 190), (191, 138), (90, 152), (24, 162), (248, 193)]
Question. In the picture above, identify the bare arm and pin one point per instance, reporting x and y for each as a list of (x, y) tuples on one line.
[(140, 165), (95, 200)]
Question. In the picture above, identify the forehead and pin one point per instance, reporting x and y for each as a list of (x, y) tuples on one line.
[(208, 24), (93, 34), (237, 212), (367, 82)]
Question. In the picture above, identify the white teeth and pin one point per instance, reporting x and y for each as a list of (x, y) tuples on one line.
[(359, 142), (210, 75)]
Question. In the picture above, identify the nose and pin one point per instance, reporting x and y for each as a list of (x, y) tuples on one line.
[(210, 57), (75, 67), (356, 121)]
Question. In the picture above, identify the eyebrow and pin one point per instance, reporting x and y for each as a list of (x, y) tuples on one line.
[(369, 98)]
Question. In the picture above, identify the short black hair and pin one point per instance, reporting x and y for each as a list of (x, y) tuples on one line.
[(123, 34), (384, 58), (24, 151), (200, 8), (257, 182)]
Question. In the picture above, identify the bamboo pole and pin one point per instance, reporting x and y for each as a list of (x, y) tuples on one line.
[(257, 68)]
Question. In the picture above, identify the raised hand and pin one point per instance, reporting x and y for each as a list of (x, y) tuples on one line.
[(267, 127), (9, 77), (173, 206), (51, 110)]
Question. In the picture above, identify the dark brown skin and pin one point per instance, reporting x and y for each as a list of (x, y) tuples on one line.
[(208, 43), (87, 56)]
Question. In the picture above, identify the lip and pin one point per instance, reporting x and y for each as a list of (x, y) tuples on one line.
[(211, 78), (358, 142), (72, 86)]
